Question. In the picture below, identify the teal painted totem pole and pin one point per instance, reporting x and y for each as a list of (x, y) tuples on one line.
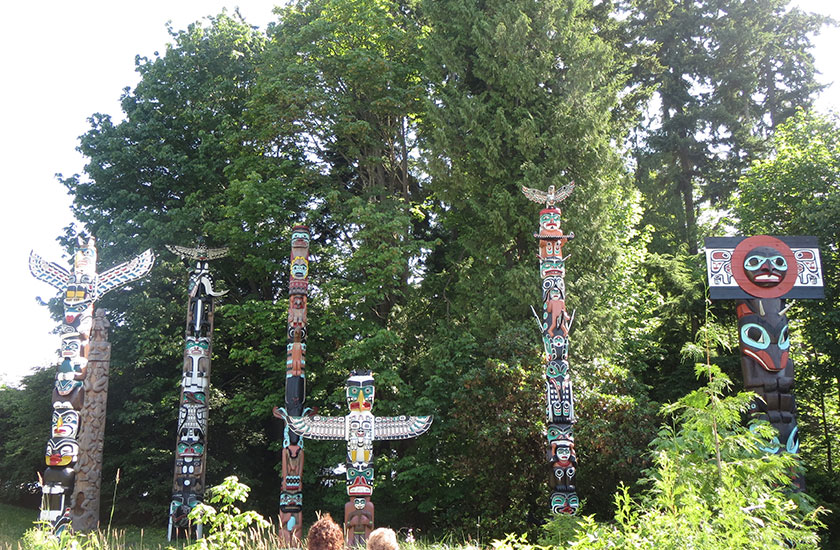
[(759, 273), (359, 429), (191, 440), (291, 495), (80, 287), (555, 324)]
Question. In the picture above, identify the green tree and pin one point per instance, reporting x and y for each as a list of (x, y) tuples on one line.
[(25, 414), (523, 93), (341, 84), (728, 72), (181, 164)]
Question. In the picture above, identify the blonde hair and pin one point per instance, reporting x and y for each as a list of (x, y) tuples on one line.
[(382, 539)]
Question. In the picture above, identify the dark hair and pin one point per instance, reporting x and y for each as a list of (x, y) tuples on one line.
[(325, 534)]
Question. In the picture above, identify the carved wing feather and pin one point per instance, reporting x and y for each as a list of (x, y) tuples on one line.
[(52, 274), (125, 273), (534, 194), (400, 427), (198, 253), (564, 192), (314, 427)]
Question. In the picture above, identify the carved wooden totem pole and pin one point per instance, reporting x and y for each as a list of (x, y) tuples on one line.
[(759, 272), (92, 430), (291, 495), (191, 439), (555, 324), (81, 287), (360, 429)]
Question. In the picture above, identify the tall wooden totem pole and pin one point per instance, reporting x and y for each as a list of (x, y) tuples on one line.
[(191, 439), (555, 324), (360, 429), (291, 495), (760, 272), (81, 287), (91, 437)]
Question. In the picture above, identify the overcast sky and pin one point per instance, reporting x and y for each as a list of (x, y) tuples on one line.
[(62, 62)]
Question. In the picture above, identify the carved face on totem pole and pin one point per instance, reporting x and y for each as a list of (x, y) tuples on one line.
[(359, 482), (360, 392), (65, 423), (564, 502), (300, 268), (763, 334), (291, 502), (550, 221), (764, 267), (300, 236), (62, 451)]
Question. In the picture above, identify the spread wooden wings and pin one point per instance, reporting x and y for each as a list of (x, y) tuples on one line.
[(50, 273), (125, 273), (550, 197), (400, 427), (200, 253), (314, 427)]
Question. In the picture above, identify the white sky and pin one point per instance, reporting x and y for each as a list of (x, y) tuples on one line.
[(62, 62)]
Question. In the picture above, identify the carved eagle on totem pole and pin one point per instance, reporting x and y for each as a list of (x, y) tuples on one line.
[(550, 197)]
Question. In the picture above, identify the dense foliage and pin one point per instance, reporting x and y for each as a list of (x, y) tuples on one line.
[(401, 132)]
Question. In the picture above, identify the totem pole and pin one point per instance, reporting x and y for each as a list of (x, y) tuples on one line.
[(81, 287), (759, 272), (360, 429), (555, 324), (92, 431), (291, 496), (191, 440)]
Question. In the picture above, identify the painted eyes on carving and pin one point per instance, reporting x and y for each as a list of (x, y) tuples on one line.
[(755, 336), (753, 263), (784, 338)]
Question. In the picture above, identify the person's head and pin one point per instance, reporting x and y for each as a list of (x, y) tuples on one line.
[(325, 534), (382, 539)]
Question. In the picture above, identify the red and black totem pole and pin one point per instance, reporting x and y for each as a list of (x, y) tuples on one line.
[(760, 272), (555, 324), (291, 495), (81, 287), (191, 440)]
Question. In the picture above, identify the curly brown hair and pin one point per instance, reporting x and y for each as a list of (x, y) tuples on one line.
[(325, 534)]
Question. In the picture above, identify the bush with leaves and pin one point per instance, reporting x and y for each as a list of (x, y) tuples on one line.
[(227, 527), (711, 486)]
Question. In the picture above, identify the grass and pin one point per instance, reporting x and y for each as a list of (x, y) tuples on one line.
[(15, 521)]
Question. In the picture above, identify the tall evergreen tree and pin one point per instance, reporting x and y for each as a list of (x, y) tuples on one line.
[(728, 72), (523, 93)]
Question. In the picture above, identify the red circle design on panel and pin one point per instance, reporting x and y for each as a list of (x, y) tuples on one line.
[(740, 275)]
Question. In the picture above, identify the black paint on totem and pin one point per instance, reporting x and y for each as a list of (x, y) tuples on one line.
[(191, 440)]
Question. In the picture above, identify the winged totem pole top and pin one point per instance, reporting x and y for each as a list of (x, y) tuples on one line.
[(550, 197)]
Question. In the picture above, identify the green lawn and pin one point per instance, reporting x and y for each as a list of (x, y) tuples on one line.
[(14, 521)]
